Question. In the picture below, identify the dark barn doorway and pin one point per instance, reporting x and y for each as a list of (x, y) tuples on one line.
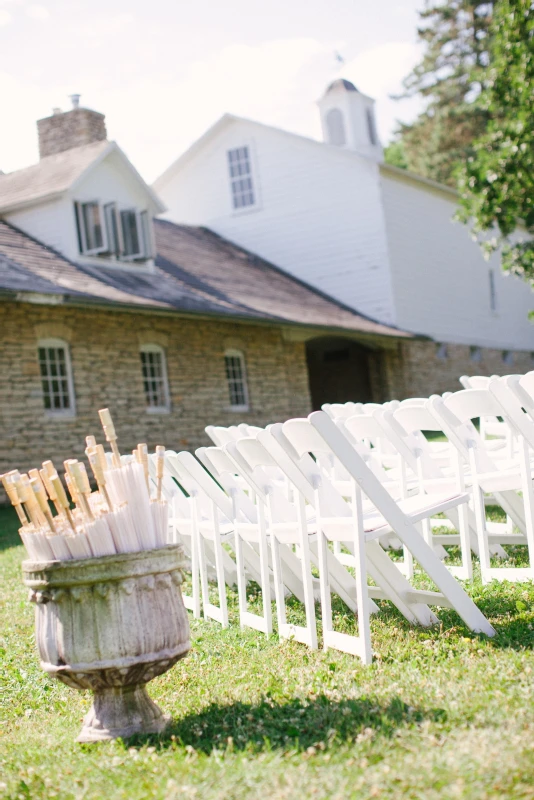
[(338, 371)]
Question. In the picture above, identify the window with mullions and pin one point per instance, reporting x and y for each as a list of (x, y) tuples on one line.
[(240, 168), (56, 377), (237, 380), (91, 228), (131, 234), (155, 381)]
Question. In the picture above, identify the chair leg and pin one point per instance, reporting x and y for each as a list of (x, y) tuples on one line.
[(281, 614), (264, 569), (241, 580), (362, 592), (309, 600), (219, 568), (528, 496), (483, 545), (195, 576), (324, 583)]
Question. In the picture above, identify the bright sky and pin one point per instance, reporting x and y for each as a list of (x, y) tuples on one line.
[(164, 70)]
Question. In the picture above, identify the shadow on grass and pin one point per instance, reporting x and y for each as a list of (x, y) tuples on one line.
[(294, 725), (9, 526)]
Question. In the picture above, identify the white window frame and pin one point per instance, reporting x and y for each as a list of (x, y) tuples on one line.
[(251, 174), (111, 209), (147, 234), (156, 348), (140, 237), (59, 413), (232, 353), (78, 205)]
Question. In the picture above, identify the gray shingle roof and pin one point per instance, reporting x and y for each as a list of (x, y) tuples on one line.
[(196, 272), (51, 176)]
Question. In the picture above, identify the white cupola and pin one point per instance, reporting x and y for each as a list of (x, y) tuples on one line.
[(348, 119)]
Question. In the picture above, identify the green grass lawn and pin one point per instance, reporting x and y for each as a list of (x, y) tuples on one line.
[(441, 713)]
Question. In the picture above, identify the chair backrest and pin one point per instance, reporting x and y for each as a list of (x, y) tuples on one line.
[(220, 435), (469, 404), (331, 438), (196, 481), (475, 381), (523, 387), (257, 459), (224, 470), (341, 410), (416, 418), (363, 431), (456, 415), (300, 442), (248, 430), (171, 490), (305, 474), (511, 401)]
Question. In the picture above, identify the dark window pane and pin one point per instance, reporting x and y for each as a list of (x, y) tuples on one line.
[(130, 233)]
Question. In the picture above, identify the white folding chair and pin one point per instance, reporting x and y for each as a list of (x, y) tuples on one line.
[(337, 521), (249, 531), (207, 525), (406, 428), (320, 433), (494, 433), (485, 476)]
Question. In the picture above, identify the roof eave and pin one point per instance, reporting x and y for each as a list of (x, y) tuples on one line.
[(197, 145), (413, 176), (77, 301), (113, 147), (35, 201)]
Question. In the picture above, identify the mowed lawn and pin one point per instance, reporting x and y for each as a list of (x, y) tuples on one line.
[(441, 713)]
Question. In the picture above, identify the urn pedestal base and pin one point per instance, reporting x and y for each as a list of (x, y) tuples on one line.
[(111, 625), (122, 712)]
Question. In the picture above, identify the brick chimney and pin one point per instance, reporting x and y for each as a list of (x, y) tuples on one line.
[(67, 129)]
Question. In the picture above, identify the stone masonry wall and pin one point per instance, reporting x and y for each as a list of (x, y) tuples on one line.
[(104, 349), (416, 370)]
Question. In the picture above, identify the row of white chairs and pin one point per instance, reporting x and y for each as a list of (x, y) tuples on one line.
[(329, 495)]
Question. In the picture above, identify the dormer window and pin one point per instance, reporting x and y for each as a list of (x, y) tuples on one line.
[(113, 228), (110, 232), (91, 230), (131, 233)]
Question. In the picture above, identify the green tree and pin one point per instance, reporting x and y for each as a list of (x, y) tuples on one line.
[(497, 182), (450, 78), (394, 154)]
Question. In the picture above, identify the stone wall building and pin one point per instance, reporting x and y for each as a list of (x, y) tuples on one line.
[(173, 327), (207, 308)]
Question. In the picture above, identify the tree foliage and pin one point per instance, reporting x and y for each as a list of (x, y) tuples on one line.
[(497, 182), (449, 77), (395, 154)]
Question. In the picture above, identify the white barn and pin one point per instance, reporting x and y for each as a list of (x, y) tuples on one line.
[(378, 238)]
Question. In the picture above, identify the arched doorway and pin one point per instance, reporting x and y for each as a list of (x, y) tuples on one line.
[(339, 371)]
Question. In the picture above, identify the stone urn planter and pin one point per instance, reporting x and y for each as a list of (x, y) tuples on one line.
[(111, 624)]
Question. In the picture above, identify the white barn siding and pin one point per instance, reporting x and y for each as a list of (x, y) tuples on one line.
[(440, 278), (319, 215)]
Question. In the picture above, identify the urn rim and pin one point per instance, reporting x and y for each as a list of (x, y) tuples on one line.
[(100, 569)]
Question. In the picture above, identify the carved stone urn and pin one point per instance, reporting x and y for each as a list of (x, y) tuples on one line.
[(111, 624)]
